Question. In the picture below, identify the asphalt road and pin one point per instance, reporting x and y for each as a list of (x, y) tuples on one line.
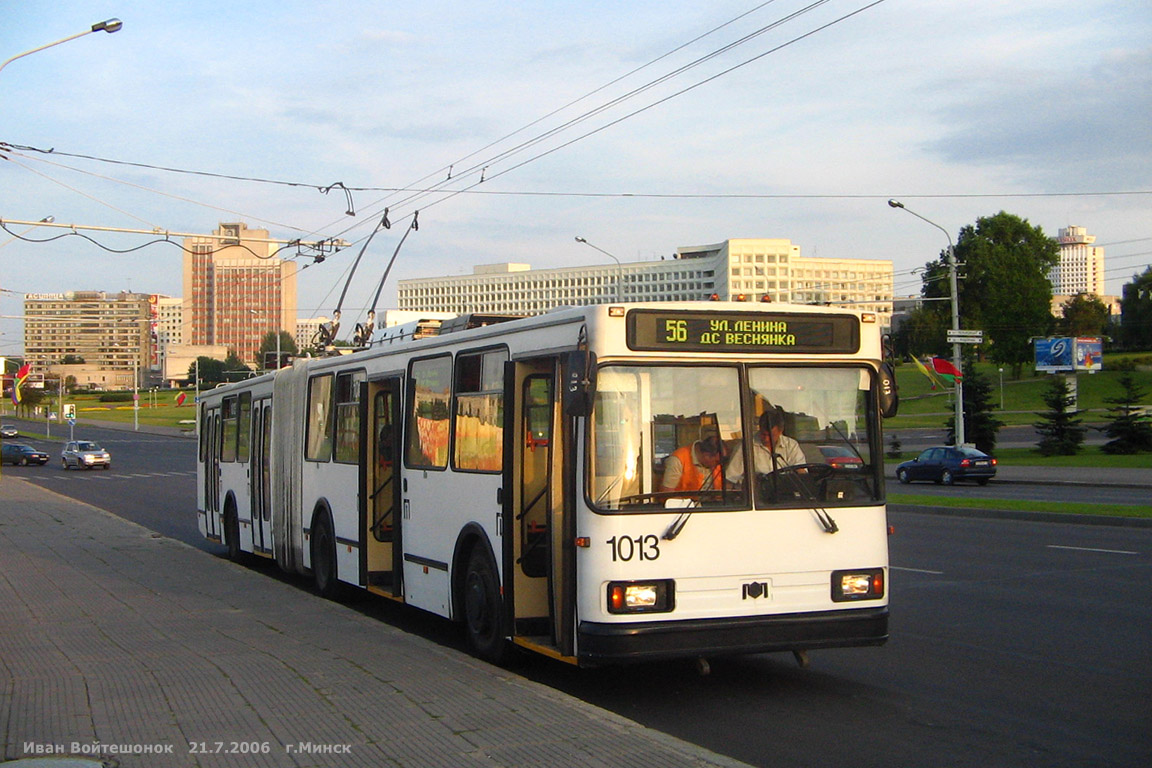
[(1013, 643)]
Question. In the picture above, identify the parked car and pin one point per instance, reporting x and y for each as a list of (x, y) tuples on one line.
[(86, 454), (839, 457), (8, 431), (18, 453), (947, 465)]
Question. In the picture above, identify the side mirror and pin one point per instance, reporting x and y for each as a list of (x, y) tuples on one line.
[(889, 392), (579, 383)]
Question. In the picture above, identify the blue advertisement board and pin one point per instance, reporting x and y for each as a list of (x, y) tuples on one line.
[(1066, 354)]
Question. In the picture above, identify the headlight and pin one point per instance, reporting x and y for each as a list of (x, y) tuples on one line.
[(640, 596), (864, 584)]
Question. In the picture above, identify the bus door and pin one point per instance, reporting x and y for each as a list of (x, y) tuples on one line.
[(380, 485), (534, 552), (260, 491), (211, 448)]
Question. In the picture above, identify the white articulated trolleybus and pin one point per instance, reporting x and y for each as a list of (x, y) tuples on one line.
[(514, 476)]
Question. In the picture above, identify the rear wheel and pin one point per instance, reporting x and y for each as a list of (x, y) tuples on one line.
[(232, 533), (982, 481), (324, 558), (483, 608)]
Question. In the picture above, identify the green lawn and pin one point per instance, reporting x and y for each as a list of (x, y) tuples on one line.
[(1012, 505), (920, 406)]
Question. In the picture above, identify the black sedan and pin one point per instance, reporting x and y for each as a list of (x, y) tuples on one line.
[(18, 453), (947, 465)]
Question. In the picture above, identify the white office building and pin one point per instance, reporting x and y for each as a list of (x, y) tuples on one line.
[(1081, 265), (739, 269)]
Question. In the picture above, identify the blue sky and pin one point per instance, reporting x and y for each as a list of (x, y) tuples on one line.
[(960, 108)]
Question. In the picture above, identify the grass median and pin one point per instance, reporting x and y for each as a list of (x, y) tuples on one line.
[(1015, 505)]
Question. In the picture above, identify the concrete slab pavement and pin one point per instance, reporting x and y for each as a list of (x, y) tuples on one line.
[(119, 644)]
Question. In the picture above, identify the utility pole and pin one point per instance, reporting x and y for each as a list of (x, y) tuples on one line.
[(957, 359)]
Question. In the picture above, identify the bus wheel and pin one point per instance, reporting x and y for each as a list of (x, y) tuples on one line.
[(483, 608), (324, 558), (232, 533)]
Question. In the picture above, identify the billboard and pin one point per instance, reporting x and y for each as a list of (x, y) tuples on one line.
[(1068, 354)]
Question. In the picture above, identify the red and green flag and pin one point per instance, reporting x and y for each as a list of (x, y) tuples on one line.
[(21, 377), (180, 398), (946, 370)]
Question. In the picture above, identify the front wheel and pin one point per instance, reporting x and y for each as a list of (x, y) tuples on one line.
[(947, 478), (64, 464), (483, 608), (902, 476), (23, 461)]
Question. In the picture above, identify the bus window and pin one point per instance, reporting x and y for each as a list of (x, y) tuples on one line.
[(319, 440), (825, 415), (244, 424), (427, 445), (348, 416), (230, 414), (479, 425), (651, 425)]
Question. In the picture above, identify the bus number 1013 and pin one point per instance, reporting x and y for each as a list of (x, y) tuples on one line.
[(625, 548)]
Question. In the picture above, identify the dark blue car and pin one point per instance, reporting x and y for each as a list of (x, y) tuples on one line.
[(18, 453), (947, 465)]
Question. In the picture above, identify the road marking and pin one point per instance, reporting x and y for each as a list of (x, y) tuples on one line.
[(915, 570), (1093, 549)]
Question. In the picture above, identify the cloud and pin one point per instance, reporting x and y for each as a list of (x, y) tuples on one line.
[(1053, 126)]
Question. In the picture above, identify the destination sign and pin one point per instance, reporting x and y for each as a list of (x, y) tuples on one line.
[(747, 332)]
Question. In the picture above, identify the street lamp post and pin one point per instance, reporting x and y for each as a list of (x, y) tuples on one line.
[(1001, 389), (109, 26), (956, 356), (619, 268)]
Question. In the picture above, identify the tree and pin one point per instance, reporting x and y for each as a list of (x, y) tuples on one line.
[(1061, 433), (209, 370), (922, 331), (1083, 315), (72, 360), (1003, 286), (980, 426), (1136, 312), (268, 346), (1130, 429)]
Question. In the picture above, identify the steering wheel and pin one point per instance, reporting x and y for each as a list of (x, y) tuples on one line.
[(804, 481)]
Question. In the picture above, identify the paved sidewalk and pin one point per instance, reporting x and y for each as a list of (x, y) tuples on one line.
[(116, 643)]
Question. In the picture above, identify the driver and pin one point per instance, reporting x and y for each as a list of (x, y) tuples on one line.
[(772, 450)]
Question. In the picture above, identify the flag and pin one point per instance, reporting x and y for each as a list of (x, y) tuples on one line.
[(946, 370), (931, 376), (180, 398), (21, 377)]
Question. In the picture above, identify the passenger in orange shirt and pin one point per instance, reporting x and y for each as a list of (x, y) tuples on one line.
[(699, 466)]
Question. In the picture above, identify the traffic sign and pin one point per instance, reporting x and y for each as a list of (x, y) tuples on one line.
[(965, 337)]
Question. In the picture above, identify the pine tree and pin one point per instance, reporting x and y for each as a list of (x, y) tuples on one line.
[(1130, 428), (980, 426), (1061, 433), (894, 451)]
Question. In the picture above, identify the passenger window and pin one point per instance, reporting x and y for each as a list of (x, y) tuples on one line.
[(479, 424), (318, 444), (427, 442), (348, 416)]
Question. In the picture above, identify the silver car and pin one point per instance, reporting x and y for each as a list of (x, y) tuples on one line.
[(86, 454)]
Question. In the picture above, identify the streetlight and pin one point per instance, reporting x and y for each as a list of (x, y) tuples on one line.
[(1001, 389), (619, 267), (109, 26), (956, 357)]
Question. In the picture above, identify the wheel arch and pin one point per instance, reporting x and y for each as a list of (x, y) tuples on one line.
[(471, 536)]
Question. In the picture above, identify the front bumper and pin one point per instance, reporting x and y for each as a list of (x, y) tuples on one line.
[(643, 641)]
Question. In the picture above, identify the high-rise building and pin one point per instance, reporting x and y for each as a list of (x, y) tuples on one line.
[(1081, 265), (749, 268), (92, 330), (236, 290)]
